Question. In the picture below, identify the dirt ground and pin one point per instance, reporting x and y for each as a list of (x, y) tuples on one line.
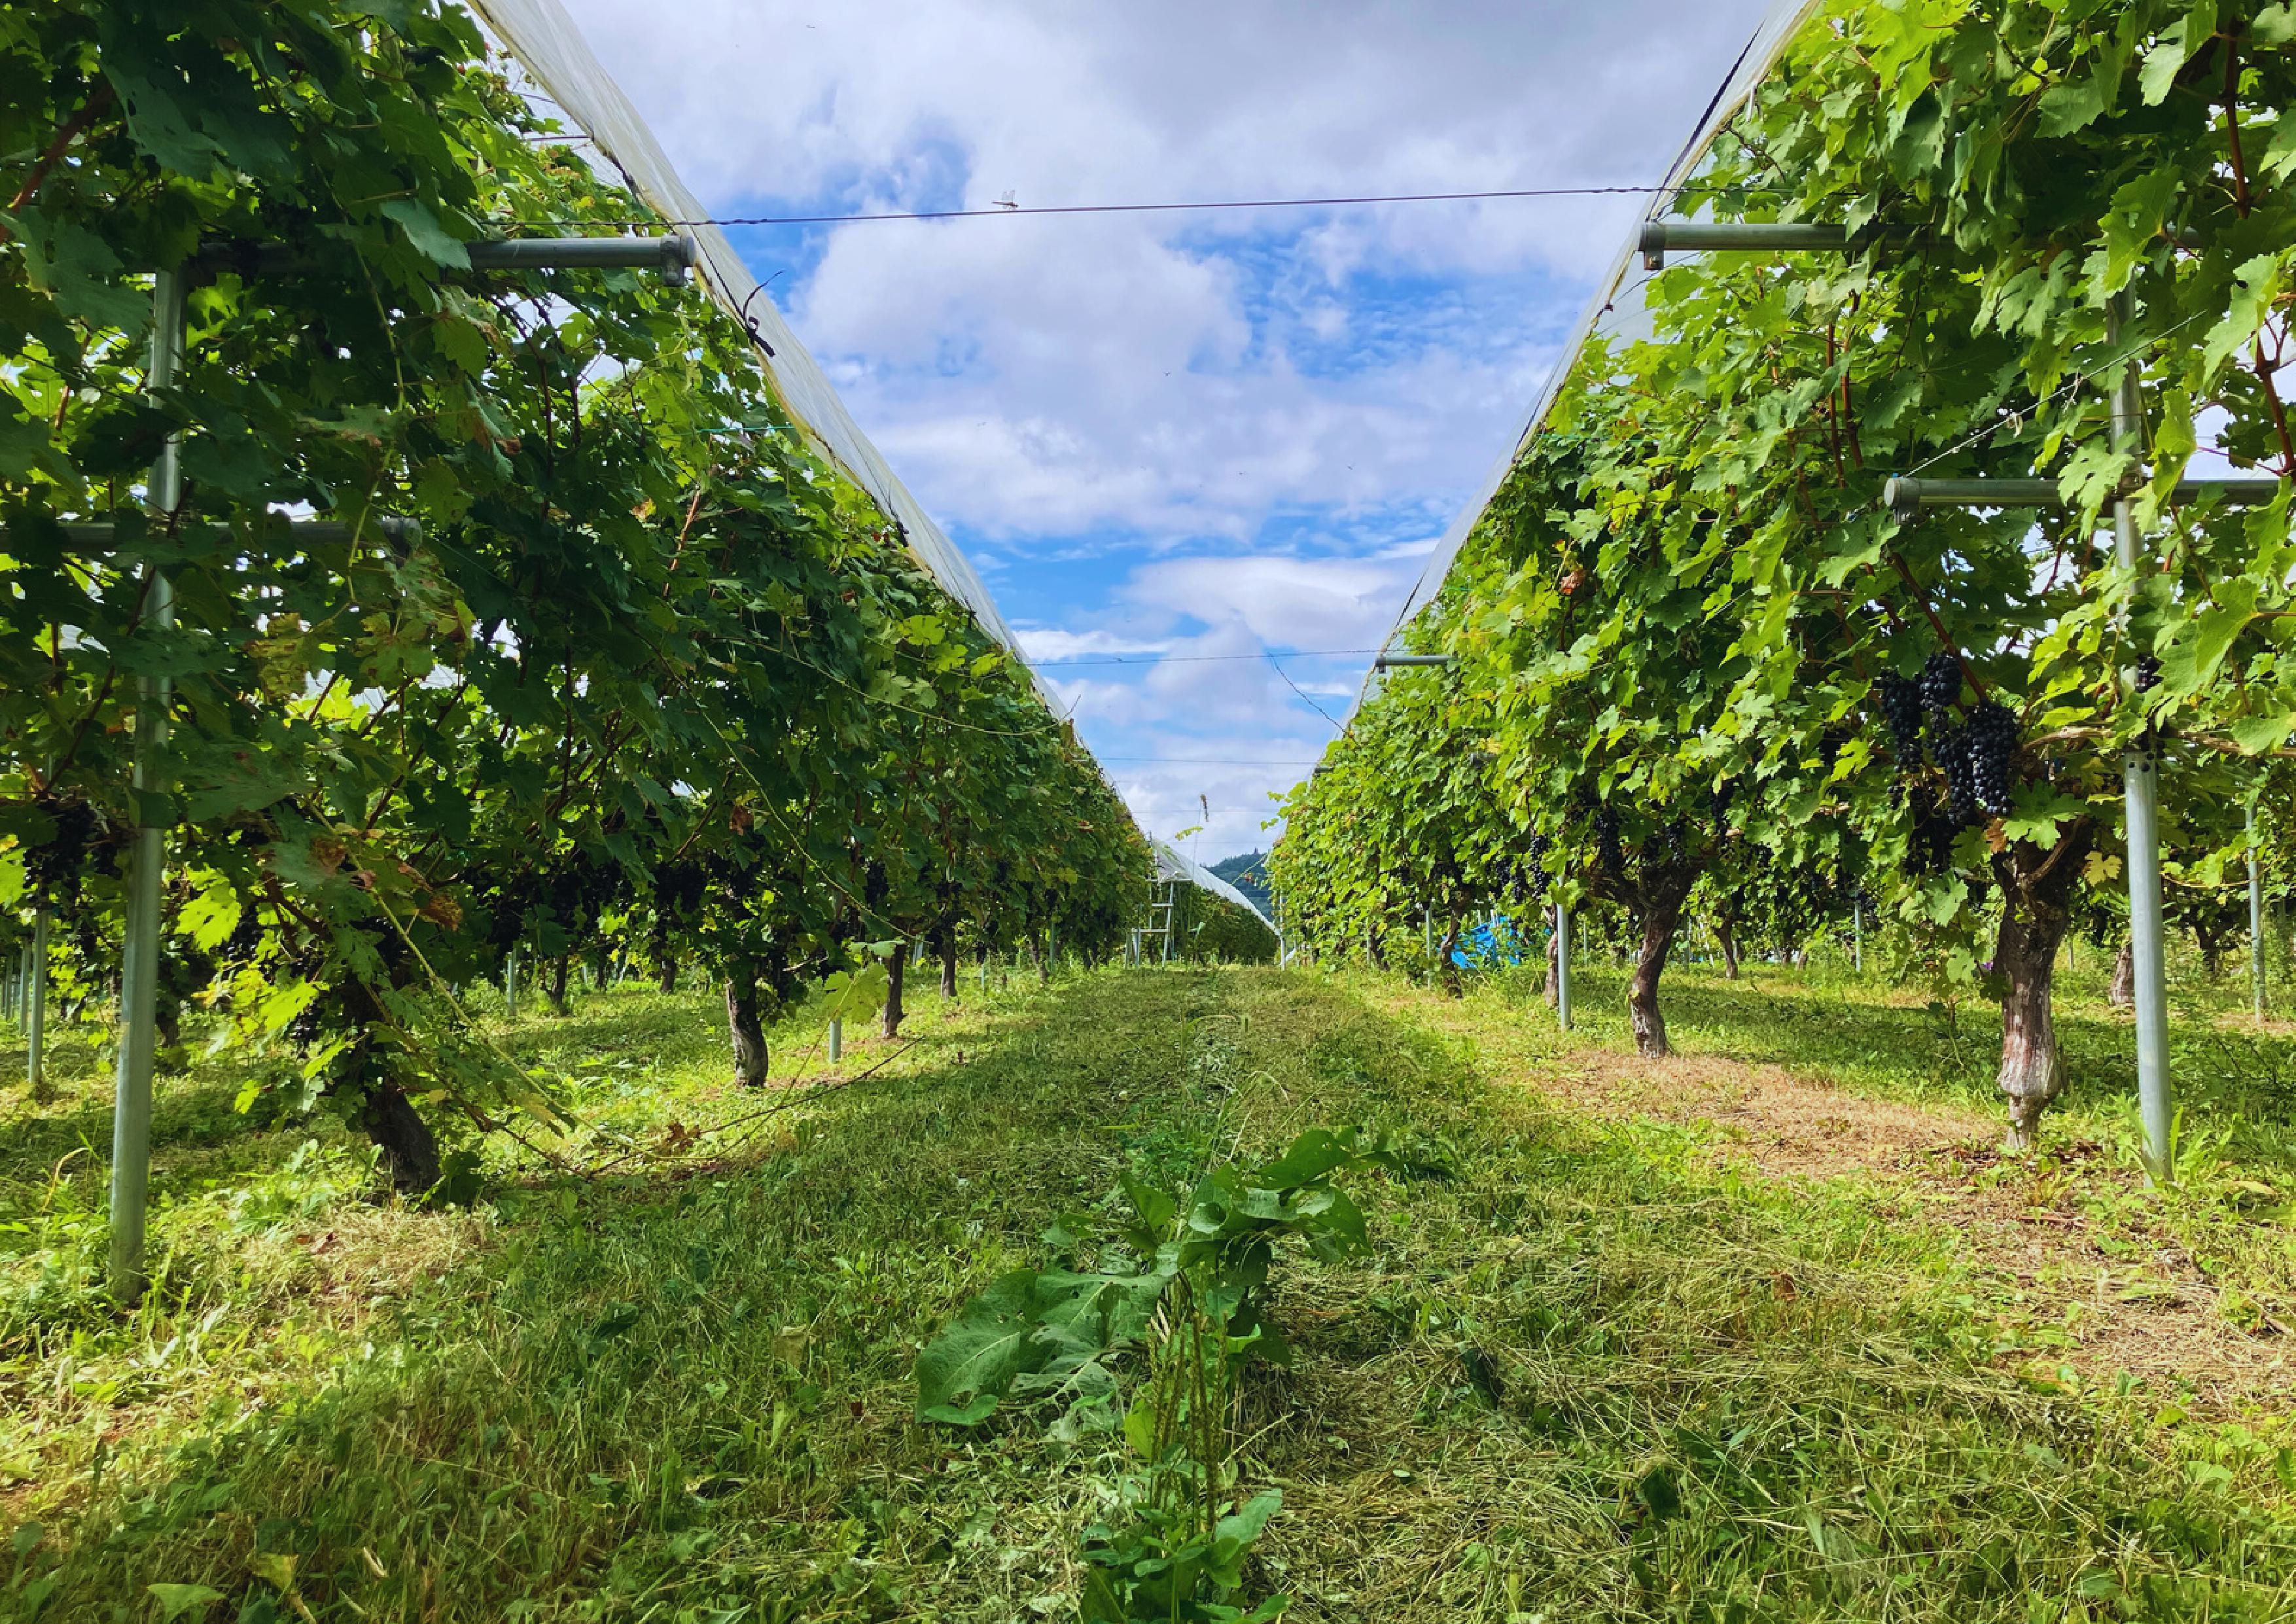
[(2151, 1312)]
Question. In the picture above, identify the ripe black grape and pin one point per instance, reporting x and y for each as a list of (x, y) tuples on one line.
[(1941, 682), (2148, 673), (56, 867), (1901, 699), (1928, 839), (1534, 865), (1606, 842), (1989, 747), (1955, 757)]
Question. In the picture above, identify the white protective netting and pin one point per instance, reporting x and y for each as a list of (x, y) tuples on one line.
[(543, 40), (1617, 307), (1170, 865)]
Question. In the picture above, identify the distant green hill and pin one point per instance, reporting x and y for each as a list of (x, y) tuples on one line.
[(1249, 875)]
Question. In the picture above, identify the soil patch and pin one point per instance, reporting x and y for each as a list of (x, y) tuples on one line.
[(2094, 1309)]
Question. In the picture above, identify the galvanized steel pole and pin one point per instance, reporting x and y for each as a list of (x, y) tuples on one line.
[(510, 986), (2255, 915), (139, 962), (2140, 779), (1562, 966), (36, 1017)]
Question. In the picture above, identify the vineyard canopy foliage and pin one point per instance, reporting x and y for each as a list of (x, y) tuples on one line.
[(649, 677), (1682, 619)]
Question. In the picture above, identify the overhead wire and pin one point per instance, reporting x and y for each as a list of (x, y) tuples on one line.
[(1198, 761), (1150, 660), (1208, 205)]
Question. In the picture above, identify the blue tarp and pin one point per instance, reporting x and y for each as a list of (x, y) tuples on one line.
[(1498, 942)]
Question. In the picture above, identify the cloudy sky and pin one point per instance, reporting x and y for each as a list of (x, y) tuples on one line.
[(1192, 441)]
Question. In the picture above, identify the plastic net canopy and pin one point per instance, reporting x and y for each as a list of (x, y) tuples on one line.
[(1170, 865), (543, 40), (1617, 307)]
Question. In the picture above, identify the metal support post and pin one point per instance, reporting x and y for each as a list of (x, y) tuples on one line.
[(2255, 915), (510, 986), (2140, 778), (139, 964), (36, 1016), (1858, 935), (836, 1040), (1562, 966)]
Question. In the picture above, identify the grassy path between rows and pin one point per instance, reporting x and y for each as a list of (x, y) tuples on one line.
[(1604, 1369), (2080, 1272)]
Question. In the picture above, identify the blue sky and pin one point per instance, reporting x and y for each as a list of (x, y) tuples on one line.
[(1195, 439)]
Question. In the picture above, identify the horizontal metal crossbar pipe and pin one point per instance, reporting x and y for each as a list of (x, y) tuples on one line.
[(301, 529), (674, 256), (1388, 661), (1684, 236), (1904, 497)]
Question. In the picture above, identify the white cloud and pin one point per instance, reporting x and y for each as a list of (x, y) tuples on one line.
[(1283, 602), (1230, 431), (1044, 643), (1034, 377)]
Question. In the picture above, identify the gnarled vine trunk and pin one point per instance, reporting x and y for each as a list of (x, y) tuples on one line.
[(1663, 893), (745, 1022), (1725, 935), (2212, 942), (1553, 989), (949, 962), (2036, 890), (558, 985), (895, 968), (668, 973), (2122, 993), (410, 1150)]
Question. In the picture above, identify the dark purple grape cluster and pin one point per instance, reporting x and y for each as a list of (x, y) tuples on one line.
[(57, 865), (1718, 804), (1989, 748), (1901, 699), (1606, 842), (2148, 673), (1950, 745), (1535, 864), (1940, 683), (1929, 840)]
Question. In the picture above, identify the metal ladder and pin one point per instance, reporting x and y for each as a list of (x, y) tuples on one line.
[(1162, 900)]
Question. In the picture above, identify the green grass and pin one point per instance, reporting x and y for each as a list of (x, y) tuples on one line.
[(1590, 1374), (2232, 1209)]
